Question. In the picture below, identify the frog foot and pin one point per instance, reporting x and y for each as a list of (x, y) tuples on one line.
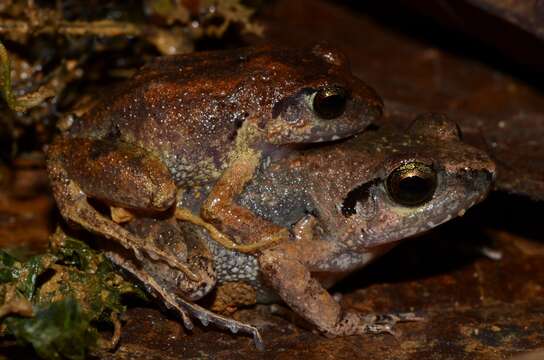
[(376, 323), (184, 214), (206, 317), (385, 323), (183, 307)]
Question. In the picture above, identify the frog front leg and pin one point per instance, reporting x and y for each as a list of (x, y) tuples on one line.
[(221, 210), (117, 174), (287, 268)]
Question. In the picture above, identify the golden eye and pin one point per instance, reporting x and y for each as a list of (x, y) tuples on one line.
[(412, 184), (330, 102)]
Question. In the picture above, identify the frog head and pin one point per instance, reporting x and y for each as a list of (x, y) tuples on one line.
[(388, 185), (315, 97)]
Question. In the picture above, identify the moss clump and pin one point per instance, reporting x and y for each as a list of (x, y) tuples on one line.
[(55, 301)]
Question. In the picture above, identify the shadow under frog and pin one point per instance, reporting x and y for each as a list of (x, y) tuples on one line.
[(345, 204)]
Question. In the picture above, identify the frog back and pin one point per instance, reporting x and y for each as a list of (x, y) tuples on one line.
[(188, 109)]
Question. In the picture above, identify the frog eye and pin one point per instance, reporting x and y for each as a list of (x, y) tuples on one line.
[(412, 184), (329, 102)]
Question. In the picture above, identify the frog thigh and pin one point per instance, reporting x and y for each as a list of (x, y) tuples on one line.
[(117, 173), (286, 269), (74, 206)]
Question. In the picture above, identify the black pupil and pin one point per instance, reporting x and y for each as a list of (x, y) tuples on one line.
[(329, 103), (414, 190), (412, 184)]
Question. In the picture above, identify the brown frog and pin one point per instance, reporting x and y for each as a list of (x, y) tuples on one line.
[(203, 121), (345, 205)]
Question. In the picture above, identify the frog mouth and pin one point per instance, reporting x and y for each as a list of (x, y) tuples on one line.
[(331, 143)]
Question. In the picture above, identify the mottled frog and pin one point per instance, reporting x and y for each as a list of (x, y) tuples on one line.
[(203, 120)]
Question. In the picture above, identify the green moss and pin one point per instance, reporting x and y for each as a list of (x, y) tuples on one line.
[(72, 289), (57, 330)]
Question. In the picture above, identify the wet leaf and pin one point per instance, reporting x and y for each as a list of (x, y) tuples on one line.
[(72, 289), (58, 330)]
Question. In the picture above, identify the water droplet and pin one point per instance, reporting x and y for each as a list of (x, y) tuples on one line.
[(233, 328), (204, 320)]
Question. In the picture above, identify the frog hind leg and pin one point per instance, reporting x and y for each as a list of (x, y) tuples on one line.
[(220, 209), (285, 270), (185, 308), (167, 235), (79, 168)]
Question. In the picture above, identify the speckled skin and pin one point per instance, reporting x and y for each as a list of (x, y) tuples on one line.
[(188, 109), (201, 123)]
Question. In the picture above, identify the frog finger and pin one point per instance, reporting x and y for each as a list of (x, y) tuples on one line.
[(218, 236), (385, 323)]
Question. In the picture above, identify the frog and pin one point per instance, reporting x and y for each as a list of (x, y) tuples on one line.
[(204, 120), (345, 204), (355, 201)]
